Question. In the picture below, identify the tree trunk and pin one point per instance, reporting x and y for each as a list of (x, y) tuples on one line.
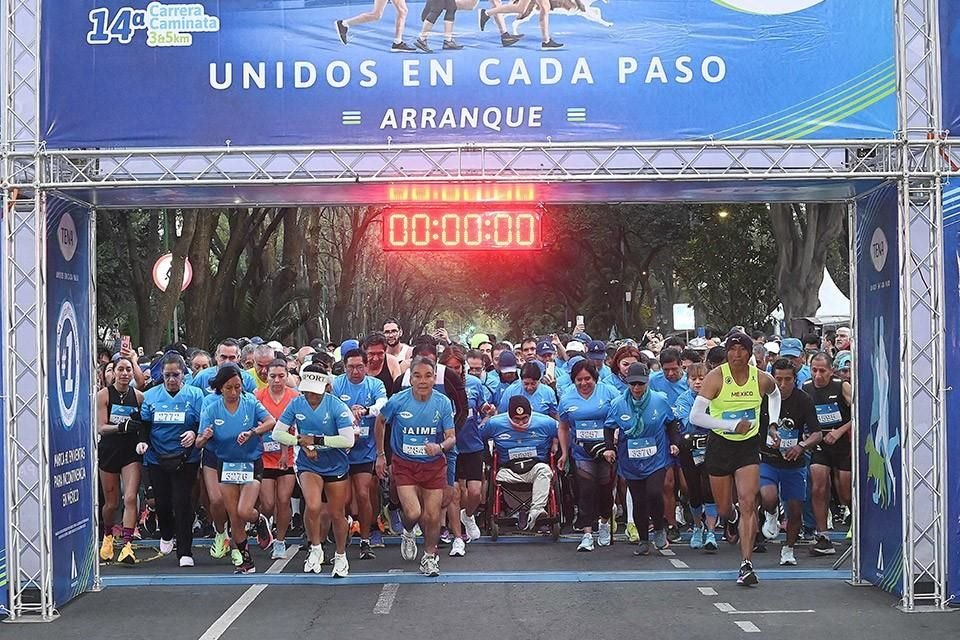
[(199, 299), (170, 298)]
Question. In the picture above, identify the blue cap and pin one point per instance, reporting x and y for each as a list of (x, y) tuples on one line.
[(597, 350), (791, 348), (507, 362), (544, 347), (582, 337), (256, 340), (348, 346), (574, 360)]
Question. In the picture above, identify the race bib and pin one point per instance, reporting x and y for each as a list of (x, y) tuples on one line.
[(745, 414), (170, 417), (269, 446), (589, 434), (236, 472), (415, 446), (363, 431), (699, 449), (120, 414), (641, 448), (828, 415), (789, 438), (521, 453)]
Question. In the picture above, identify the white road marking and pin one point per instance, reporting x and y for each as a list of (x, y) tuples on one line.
[(747, 626), (221, 624), (387, 595), (777, 612), (679, 564), (667, 552), (707, 591), (726, 607)]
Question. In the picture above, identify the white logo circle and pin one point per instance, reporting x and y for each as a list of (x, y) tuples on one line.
[(878, 249), (768, 7), (68, 364), (67, 236)]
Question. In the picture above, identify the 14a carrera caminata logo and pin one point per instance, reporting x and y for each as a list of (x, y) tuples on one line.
[(769, 7)]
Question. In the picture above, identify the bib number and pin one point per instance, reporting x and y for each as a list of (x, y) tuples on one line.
[(415, 446), (170, 417), (828, 415), (699, 449), (589, 435), (641, 448), (270, 446), (789, 438), (521, 453), (364, 432), (236, 473)]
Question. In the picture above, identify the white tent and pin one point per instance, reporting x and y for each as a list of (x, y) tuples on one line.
[(832, 300)]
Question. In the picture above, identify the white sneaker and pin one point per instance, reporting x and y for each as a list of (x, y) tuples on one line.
[(532, 518), (786, 557), (416, 530), (603, 534), (430, 565), (279, 550), (314, 560), (458, 548), (166, 546), (678, 512), (408, 546), (586, 544), (341, 568), (771, 525), (469, 525), (186, 561)]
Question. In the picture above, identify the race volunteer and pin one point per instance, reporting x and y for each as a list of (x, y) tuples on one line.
[(542, 398), (471, 446), (325, 431), (583, 410), (523, 440), (783, 466), (365, 396), (733, 393), (641, 435), (277, 486), (832, 459), (422, 431), (170, 417), (230, 425), (118, 424)]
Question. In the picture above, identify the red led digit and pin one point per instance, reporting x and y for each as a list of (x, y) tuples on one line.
[(420, 225)]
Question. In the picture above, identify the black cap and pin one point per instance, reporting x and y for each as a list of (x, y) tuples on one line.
[(738, 338), (519, 407), (638, 372)]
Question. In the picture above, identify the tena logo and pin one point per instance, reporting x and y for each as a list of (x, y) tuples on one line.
[(300, 416), (878, 249), (405, 414), (503, 436), (218, 422), (768, 7), (625, 417), (345, 398)]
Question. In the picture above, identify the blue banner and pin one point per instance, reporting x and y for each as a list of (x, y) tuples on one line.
[(70, 367), (951, 287), (4, 586), (950, 62), (878, 390), (132, 73)]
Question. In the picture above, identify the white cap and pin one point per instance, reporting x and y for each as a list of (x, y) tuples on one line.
[(575, 346), (649, 354), (313, 382), (772, 347), (276, 346)]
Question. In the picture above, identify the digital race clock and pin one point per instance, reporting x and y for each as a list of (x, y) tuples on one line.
[(469, 227)]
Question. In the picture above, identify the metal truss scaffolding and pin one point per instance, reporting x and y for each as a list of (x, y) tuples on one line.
[(918, 158)]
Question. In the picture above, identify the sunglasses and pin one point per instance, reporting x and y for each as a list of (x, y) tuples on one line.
[(637, 384)]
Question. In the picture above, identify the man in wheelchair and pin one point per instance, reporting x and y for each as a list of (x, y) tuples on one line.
[(523, 443)]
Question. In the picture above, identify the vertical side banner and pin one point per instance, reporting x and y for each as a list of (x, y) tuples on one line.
[(4, 580), (70, 367), (950, 62), (951, 288), (878, 390)]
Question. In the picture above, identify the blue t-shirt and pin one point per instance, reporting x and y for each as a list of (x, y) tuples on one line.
[(586, 416), (468, 439), (542, 400), (227, 426), (327, 419), (682, 408), (414, 423), (659, 382), (496, 386), (803, 375), (203, 378), (514, 444), (617, 383), (646, 452), (365, 394), (171, 416)]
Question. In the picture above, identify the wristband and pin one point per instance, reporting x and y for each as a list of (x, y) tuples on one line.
[(381, 454), (320, 442)]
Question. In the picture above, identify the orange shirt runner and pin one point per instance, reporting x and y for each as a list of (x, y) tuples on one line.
[(271, 459)]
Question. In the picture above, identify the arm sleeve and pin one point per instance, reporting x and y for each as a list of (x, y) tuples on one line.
[(281, 433), (674, 428), (458, 394), (700, 417), (608, 438), (342, 441), (773, 406), (380, 393)]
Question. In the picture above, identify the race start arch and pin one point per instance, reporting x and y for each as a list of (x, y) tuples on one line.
[(120, 103)]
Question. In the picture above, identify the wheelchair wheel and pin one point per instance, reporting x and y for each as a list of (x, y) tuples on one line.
[(555, 531), (494, 530)]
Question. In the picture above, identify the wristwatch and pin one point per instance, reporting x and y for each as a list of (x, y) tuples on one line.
[(802, 444)]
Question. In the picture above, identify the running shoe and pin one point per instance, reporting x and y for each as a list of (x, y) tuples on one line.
[(376, 540), (430, 565), (551, 44), (680, 517), (787, 559), (484, 19), (106, 548), (314, 560), (186, 561), (220, 547), (421, 44), (396, 524), (446, 537), (451, 45), (771, 525), (341, 31), (246, 565), (458, 548), (236, 557), (508, 40), (696, 538), (603, 534), (341, 568), (759, 543), (532, 518), (849, 535), (166, 546), (401, 47), (660, 540), (264, 536), (279, 550), (366, 553), (731, 529), (355, 528), (710, 542), (823, 547), (633, 536), (747, 577), (408, 546), (807, 533), (643, 548), (469, 525), (586, 543), (127, 556), (673, 533)]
